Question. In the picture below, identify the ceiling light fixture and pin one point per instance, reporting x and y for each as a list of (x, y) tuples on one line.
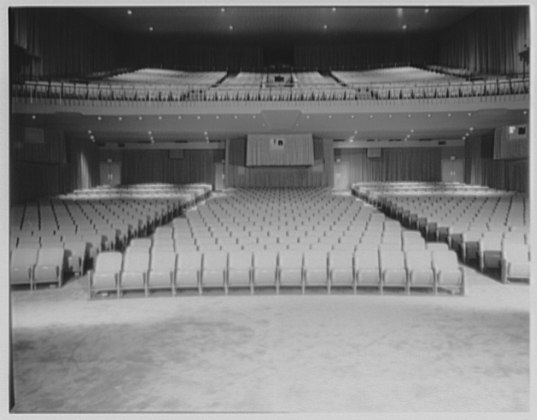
[(140, 118), (471, 128), (325, 27), (120, 118), (150, 29), (230, 27), (129, 12), (426, 10), (223, 10), (469, 114), (33, 117), (428, 115), (89, 131), (404, 27), (99, 118), (449, 114), (179, 117), (160, 117), (333, 9), (198, 117)]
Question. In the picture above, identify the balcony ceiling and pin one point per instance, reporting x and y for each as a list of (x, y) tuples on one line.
[(254, 22), (434, 125)]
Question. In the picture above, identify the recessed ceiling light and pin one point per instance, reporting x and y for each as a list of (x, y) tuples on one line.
[(179, 117), (351, 140), (411, 130), (198, 117), (426, 10), (390, 116), (466, 134), (399, 11), (254, 117), (152, 140), (524, 112), (140, 118), (150, 133), (404, 27), (235, 116), (352, 116), (217, 117), (89, 131), (333, 9), (223, 9), (205, 133), (449, 114), (129, 12), (409, 115), (92, 137), (230, 27), (471, 128), (99, 118), (428, 115), (355, 131), (150, 29), (463, 138), (371, 116), (469, 114), (325, 27), (307, 117), (160, 117), (329, 117), (120, 118), (33, 117)]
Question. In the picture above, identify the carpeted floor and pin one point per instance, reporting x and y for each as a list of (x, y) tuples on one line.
[(273, 353)]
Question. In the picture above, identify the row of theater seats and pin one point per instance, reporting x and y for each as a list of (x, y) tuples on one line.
[(144, 270), (71, 231), (490, 227), (312, 92)]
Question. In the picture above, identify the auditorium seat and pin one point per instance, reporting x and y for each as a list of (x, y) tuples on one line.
[(515, 262), (392, 269), (341, 270), (133, 274), (290, 269), (21, 266), (419, 269), (315, 269), (367, 269), (188, 270), (214, 270), (490, 250), (239, 273), (265, 269), (162, 270), (449, 275), (49, 266), (105, 276)]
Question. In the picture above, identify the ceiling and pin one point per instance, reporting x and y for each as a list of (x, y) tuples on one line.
[(240, 22)]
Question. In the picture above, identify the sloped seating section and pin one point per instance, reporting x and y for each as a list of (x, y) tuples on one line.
[(479, 223), (68, 232), (161, 85), (285, 240)]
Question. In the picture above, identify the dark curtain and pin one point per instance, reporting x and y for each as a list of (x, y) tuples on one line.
[(504, 174), (488, 41)]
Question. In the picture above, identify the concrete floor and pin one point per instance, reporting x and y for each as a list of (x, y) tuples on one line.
[(268, 353)]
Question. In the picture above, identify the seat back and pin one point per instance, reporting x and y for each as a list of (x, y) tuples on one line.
[(214, 260), (366, 259), (341, 260), (144, 243), (437, 246), (266, 260), (516, 253), (163, 260), (315, 260), (24, 257), (240, 260), (418, 259), (445, 260), (52, 255), (109, 262), (190, 260), (136, 261), (288, 259), (391, 259)]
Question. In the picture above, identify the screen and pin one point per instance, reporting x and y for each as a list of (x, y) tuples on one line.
[(279, 150)]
